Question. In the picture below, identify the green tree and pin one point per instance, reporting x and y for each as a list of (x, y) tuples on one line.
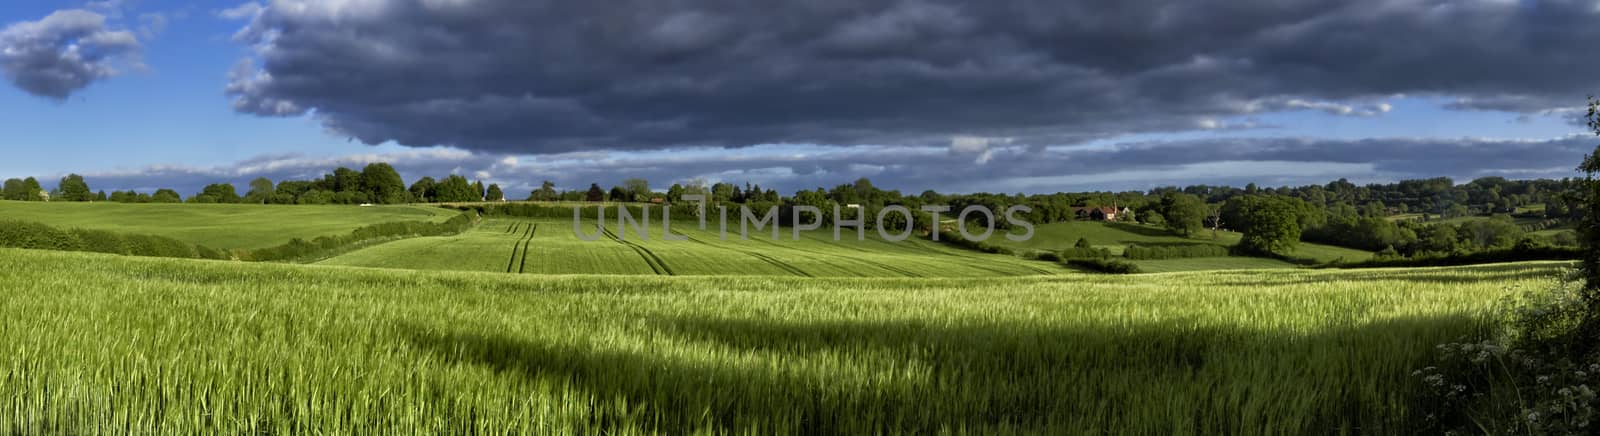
[(383, 184), (619, 194), (345, 179), (1588, 331), (637, 187), (456, 189), (721, 192), (1183, 213), (494, 194), (220, 193), (261, 191), (1270, 224), (424, 189), (14, 190), (73, 188), (546, 192), (316, 196), (674, 193), (32, 191), (479, 191), (166, 196)]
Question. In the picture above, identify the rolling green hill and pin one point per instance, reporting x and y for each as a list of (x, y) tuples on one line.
[(218, 225), (99, 343), (549, 246), (1117, 236)]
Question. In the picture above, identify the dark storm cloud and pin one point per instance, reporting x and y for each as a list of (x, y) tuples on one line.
[(63, 52), (544, 76), (1005, 168)]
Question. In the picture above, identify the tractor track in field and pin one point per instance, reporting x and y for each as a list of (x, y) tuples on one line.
[(762, 257), (525, 246), (650, 257), (520, 245)]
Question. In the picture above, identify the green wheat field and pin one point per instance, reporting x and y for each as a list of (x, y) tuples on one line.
[(518, 327)]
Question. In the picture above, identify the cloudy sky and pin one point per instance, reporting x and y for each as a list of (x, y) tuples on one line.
[(959, 96)]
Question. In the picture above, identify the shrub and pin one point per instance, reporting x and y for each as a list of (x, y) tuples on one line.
[(22, 234), (100, 241), (300, 249), (1085, 253), (1108, 266), (954, 238), (1047, 256)]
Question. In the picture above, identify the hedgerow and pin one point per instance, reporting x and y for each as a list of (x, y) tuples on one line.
[(1519, 254), (298, 249), (1187, 251), (1108, 266), (32, 235)]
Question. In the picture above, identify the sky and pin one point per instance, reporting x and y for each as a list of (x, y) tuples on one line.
[(1003, 96)]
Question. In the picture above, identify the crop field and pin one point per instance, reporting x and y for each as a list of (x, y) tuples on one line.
[(1118, 236), (549, 246), (100, 343), (217, 225)]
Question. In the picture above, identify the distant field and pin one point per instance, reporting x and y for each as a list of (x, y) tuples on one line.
[(1117, 236), (223, 226), (1210, 263), (98, 343), (549, 246)]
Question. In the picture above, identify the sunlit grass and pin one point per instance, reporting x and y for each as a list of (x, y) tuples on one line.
[(106, 344), (553, 248), (223, 226)]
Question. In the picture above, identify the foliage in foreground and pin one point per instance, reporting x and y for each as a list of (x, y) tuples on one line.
[(1541, 376), (105, 344), (1527, 381)]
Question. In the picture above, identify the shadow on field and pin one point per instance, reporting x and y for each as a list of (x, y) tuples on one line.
[(744, 375)]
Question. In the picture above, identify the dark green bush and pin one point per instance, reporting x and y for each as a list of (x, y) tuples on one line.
[(22, 234), (1085, 253), (1108, 266), (300, 249), (100, 241), (955, 238)]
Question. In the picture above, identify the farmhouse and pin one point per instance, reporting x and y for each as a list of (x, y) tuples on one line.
[(1102, 213)]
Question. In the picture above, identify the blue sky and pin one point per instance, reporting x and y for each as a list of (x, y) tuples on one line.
[(164, 119)]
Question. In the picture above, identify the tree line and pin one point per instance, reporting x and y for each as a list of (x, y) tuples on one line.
[(377, 183), (1273, 220)]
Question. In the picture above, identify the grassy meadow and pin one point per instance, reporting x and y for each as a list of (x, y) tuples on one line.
[(217, 225), (1116, 237), (109, 344)]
